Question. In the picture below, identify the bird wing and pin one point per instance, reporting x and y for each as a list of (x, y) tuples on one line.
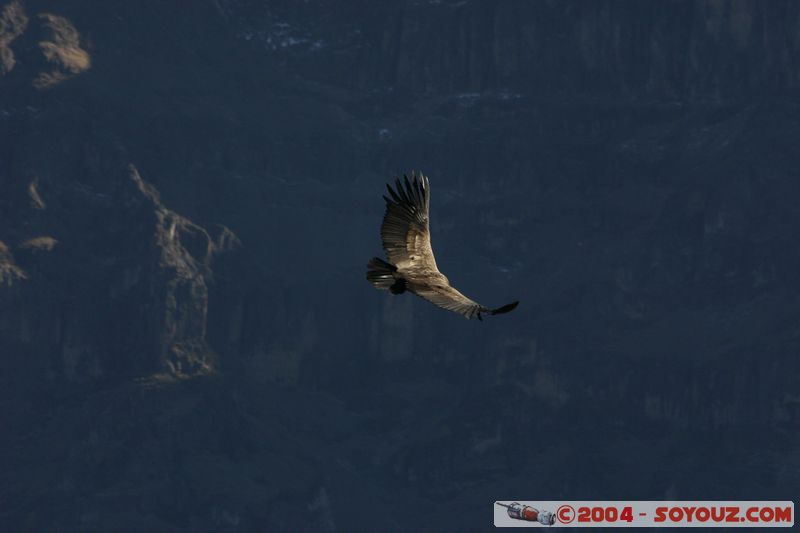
[(407, 242), (448, 297), (405, 231)]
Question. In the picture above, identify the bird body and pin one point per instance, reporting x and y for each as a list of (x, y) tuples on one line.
[(411, 266)]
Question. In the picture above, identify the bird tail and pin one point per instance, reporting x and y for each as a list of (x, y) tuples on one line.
[(379, 273), (505, 309)]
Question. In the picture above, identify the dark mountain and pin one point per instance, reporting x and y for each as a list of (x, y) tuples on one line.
[(189, 197)]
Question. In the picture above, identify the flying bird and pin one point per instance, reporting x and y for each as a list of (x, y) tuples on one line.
[(406, 237)]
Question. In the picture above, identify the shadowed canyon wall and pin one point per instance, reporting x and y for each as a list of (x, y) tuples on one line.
[(189, 197)]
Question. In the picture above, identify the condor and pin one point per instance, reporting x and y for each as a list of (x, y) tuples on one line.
[(407, 242)]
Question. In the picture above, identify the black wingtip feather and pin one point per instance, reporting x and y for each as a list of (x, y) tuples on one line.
[(420, 190), (395, 197), (411, 195), (410, 191), (505, 309), (401, 192)]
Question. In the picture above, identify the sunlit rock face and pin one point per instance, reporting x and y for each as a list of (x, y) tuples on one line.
[(58, 53), (13, 22), (194, 332), (62, 49), (117, 288)]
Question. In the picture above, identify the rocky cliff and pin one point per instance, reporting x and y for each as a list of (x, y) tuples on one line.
[(188, 199)]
